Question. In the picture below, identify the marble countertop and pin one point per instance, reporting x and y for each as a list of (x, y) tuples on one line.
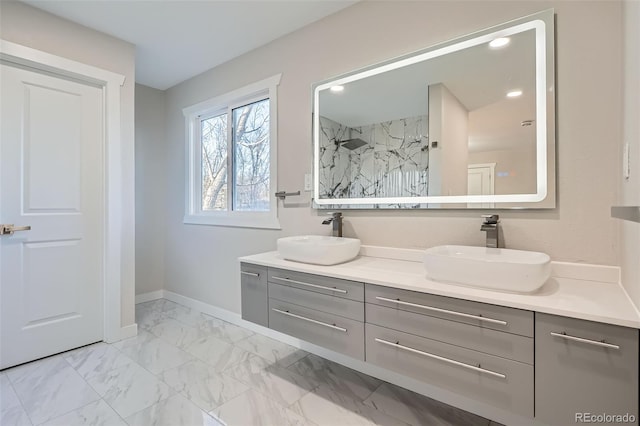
[(588, 292)]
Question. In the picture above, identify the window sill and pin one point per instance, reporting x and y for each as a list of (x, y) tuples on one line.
[(239, 221)]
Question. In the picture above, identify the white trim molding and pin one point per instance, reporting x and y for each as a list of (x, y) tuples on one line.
[(113, 183), (148, 297), (128, 331)]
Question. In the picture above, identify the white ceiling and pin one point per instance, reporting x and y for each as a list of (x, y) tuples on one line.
[(178, 39)]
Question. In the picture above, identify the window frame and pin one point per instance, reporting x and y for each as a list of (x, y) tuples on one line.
[(194, 214)]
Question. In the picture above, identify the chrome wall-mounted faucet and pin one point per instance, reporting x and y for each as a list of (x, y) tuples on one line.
[(492, 228), (336, 219)]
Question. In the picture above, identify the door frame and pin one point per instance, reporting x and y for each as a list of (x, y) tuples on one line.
[(112, 179)]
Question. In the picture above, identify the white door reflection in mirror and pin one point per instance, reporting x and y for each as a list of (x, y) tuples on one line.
[(480, 181)]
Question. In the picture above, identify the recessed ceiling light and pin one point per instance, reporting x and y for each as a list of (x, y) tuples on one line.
[(514, 93), (499, 42), (336, 89)]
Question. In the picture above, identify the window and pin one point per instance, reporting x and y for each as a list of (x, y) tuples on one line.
[(232, 158), (250, 144)]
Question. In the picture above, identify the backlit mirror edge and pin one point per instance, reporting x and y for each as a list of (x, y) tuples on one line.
[(545, 197)]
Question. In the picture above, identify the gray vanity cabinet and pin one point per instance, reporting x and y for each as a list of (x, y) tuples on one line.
[(497, 381), (337, 333), (328, 312), (550, 368), (253, 283), (318, 283), (513, 321), (481, 351), (584, 367)]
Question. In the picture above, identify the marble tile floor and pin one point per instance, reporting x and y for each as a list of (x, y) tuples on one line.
[(188, 368)]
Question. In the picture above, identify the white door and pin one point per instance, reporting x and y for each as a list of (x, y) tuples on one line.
[(480, 181), (51, 179)]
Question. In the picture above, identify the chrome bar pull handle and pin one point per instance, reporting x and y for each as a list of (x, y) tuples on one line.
[(601, 343), (9, 229), (440, 358), (322, 287), (444, 311), (251, 274), (324, 324)]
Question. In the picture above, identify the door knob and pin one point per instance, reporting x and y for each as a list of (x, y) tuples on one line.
[(10, 229)]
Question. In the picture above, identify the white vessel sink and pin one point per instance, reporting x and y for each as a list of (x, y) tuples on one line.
[(492, 268), (318, 249)]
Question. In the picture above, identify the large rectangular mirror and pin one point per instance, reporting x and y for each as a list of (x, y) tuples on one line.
[(465, 124)]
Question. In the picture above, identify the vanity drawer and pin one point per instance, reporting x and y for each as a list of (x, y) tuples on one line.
[(320, 328), (493, 380), (253, 293), (318, 301), (494, 317), (320, 284), (506, 345), (584, 375)]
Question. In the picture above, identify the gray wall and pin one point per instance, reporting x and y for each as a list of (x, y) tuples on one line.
[(22, 24), (200, 261), (449, 125), (516, 159), (151, 200)]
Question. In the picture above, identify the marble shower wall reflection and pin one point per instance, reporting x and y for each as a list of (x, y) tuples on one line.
[(394, 162)]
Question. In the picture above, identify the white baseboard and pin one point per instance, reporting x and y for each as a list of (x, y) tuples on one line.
[(439, 394), (128, 331), (231, 317), (148, 297)]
